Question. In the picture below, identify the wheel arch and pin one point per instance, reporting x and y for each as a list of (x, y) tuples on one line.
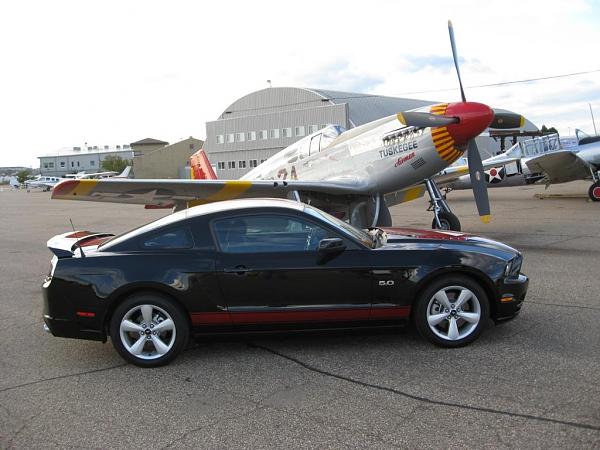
[(474, 274), (135, 289)]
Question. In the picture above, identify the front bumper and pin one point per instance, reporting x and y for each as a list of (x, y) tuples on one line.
[(512, 294)]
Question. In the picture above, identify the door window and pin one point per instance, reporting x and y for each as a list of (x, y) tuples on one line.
[(268, 234)]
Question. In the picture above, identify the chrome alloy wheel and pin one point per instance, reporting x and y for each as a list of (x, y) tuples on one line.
[(453, 313), (147, 332)]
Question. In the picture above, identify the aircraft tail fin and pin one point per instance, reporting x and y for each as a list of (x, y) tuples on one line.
[(201, 168), (125, 173)]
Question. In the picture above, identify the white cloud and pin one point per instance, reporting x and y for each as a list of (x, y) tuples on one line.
[(117, 71)]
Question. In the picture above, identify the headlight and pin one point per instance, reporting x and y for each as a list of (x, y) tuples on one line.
[(513, 267)]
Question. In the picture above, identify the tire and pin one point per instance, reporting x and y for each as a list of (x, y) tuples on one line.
[(448, 221), (448, 326), (139, 342), (594, 192)]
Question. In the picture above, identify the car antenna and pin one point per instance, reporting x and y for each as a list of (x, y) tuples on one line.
[(80, 248)]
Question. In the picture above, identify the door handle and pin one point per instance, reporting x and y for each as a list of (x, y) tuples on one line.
[(238, 270)]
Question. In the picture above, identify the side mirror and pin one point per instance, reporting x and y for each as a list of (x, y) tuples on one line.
[(331, 245)]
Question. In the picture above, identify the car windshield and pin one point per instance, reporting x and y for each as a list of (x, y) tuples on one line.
[(357, 234)]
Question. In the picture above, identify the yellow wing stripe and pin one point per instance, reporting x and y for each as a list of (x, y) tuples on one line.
[(413, 193), (82, 189), (231, 190)]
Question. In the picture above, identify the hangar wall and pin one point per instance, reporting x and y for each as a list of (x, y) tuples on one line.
[(260, 124)]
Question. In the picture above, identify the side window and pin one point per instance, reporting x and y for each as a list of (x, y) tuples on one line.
[(268, 234), (172, 239)]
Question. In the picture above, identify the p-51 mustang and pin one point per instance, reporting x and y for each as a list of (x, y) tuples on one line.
[(355, 174), (549, 164)]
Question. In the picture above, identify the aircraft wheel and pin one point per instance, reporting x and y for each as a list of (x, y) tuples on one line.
[(594, 192), (448, 221)]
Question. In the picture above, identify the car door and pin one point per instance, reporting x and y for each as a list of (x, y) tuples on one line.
[(270, 271)]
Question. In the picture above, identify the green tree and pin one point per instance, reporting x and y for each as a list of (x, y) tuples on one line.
[(115, 163), (547, 130), (22, 175)]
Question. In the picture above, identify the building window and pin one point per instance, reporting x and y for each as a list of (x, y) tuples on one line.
[(72, 164), (92, 163), (230, 138), (221, 165), (300, 131), (242, 164), (251, 135), (322, 126), (263, 134), (77, 163), (313, 129), (231, 164), (262, 161), (240, 137), (286, 132), (50, 165), (253, 163), (106, 147), (62, 164), (45, 165), (275, 133), (220, 139)]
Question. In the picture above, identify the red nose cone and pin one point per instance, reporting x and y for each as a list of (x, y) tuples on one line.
[(474, 118)]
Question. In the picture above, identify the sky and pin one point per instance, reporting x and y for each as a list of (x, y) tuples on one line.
[(113, 72)]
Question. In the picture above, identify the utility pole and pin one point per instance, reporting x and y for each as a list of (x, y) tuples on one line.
[(593, 121)]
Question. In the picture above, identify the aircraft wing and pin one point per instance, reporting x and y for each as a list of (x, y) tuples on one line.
[(560, 167), (167, 193)]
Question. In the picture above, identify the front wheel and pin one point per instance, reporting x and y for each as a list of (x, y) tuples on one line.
[(594, 192), (149, 330), (448, 221), (452, 311)]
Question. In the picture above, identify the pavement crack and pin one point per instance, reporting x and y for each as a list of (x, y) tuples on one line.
[(60, 377), (186, 434), (562, 305), (420, 398)]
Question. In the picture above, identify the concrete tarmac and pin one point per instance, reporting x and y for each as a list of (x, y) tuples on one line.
[(531, 383)]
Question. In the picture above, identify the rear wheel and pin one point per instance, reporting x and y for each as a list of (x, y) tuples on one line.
[(452, 311), (149, 330), (594, 192)]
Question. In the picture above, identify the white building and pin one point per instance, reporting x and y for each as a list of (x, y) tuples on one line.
[(78, 159)]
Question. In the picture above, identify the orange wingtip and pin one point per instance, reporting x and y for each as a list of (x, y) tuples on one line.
[(486, 218)]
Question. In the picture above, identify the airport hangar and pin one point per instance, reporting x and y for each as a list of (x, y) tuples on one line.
[(260, 124)]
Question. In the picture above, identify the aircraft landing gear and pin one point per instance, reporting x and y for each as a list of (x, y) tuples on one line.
[(594, 192), (443, 218)]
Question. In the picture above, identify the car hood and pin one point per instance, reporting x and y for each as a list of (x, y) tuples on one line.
[(445, 238)]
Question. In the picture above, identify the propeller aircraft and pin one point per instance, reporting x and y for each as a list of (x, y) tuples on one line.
[(355, 174), (552, 165)]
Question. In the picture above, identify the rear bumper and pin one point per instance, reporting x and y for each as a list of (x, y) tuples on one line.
[(70, 329), (61, 320), (512, 294)]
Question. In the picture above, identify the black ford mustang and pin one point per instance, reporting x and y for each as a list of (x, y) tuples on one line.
[(272, 264)]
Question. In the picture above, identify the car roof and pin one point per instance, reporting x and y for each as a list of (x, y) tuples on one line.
[(209, 208)]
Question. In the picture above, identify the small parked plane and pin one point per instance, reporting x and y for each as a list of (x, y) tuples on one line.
[(552, 164), (355, 174), (49, 183)]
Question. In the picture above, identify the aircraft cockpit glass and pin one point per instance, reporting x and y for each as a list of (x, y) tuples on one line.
[(329, 133), (581, 135)]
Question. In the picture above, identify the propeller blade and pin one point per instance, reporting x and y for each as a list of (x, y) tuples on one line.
[(424, 120), (503, 120), (455, 56), (478, 182)]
